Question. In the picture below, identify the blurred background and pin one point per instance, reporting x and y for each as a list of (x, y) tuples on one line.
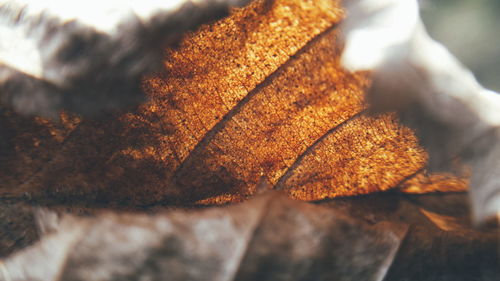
[(471, 31)]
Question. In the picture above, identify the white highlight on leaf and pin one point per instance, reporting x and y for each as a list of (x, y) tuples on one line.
[(379, 33), (374, 28), (5, 272), (103, 15), (13, 43), (53, 250), (50, 50), (19, 49)]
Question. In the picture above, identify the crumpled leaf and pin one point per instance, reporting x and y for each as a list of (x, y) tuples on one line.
[(269, 237), (89, 56), (239, 109), (258, 94), (434, 94)]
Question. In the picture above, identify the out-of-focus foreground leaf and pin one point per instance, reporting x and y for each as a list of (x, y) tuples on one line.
[(260, 93), (452, 114), (89, 56), (270, 237)]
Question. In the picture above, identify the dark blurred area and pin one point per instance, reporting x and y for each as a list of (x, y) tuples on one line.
[(470, 29)]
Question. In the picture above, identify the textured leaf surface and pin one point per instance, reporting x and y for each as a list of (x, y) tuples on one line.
[(257, 97), (260, 93)]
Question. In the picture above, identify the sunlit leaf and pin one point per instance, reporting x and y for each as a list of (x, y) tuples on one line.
[(258, 94)]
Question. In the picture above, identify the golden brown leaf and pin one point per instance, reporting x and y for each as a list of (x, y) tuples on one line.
[(258, 94), (423, 182)]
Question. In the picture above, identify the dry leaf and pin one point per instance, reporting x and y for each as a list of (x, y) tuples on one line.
[(259, 96), (269, 237), (260, 93), (452, 114)]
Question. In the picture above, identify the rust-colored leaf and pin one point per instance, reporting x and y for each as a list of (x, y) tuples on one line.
[(257, 99), (258, 94)]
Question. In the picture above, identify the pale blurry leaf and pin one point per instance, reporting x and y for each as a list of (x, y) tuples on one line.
[(433, 93), (89, 56), (269, 237)]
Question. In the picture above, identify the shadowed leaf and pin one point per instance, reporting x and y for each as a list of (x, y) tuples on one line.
[(270, 237)]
